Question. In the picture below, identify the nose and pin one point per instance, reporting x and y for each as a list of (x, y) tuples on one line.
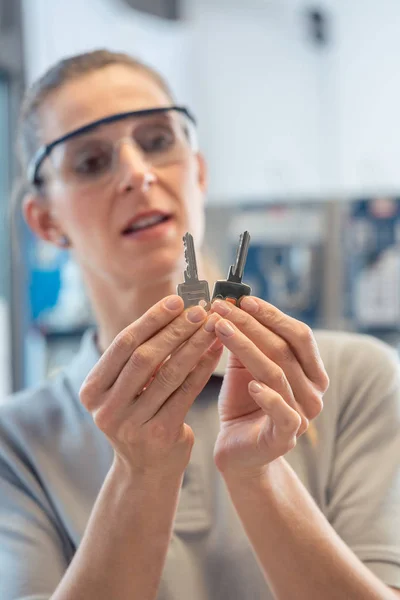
[(132, 168)]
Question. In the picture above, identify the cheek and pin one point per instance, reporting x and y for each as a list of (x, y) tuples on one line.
[(77, 215)]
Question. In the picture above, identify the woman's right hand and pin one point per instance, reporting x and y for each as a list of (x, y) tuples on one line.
[(142, 387)]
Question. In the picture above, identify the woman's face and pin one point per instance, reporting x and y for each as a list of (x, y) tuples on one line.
[(95, 219)]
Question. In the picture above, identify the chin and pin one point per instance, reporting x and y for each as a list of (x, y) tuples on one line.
[(162, 264)]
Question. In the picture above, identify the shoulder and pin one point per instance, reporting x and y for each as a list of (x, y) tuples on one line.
[(356, 354), (47, 438), (52, 408), (41, 413), (364, 374)]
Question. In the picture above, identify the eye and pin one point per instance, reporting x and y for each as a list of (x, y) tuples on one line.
[(92, 161), (155, 139)]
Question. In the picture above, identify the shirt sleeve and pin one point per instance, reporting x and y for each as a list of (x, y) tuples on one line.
[(32, 560), (364, 484)]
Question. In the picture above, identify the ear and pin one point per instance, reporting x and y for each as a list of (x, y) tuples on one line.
[(37, 214), (202, 172)]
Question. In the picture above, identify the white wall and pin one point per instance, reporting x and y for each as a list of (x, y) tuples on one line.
[(257, 98), (367, 79), (58, 28), (278, 117), (250, 75)]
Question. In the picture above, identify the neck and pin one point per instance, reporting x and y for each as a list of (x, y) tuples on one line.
[(114, 309)]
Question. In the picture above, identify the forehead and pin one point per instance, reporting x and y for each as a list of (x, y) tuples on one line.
[(104, 92)]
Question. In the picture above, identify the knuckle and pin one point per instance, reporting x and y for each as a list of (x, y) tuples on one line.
[(324, 381), (174, 335), (315, 406), (168, 375), (89, 393), (241, 318), (305, 333), (159, 431), (269, 313), (152, 319), (198, 342), (273, 400), (282, 351), (101, 419), (293, 423), (125, 340), (291, 443), (187, 386), (139, 359), (279, 378), (303, 426)]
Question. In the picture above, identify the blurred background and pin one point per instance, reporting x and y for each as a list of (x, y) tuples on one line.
[(299, 119)]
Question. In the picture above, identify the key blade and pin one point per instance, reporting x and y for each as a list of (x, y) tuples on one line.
[(192, 291), (190, 258), (236, 271)]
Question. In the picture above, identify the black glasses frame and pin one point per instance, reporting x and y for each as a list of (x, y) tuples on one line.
[(44, 151)]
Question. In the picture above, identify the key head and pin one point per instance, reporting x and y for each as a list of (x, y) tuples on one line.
[(194, 293), (230, 291)]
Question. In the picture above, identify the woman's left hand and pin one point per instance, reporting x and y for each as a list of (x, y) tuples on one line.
[(273, 385)]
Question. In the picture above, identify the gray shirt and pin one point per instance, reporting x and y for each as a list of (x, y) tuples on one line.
[(53, 461)]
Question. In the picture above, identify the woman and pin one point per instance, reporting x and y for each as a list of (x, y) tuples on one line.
[(103, 492)]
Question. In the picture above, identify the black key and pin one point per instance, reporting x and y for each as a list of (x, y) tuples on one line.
[(192, 291), (233, 289)]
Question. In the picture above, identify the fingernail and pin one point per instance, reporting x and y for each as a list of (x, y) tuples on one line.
[(225, 328), (222, 308), (209, 325), (196, 314), (255, 387), (249, 305), (173, 302)]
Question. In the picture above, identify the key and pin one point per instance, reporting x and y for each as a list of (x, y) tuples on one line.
[(192, 291), (233, 289)]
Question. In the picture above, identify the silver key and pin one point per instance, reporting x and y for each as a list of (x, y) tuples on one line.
[(192, 291)]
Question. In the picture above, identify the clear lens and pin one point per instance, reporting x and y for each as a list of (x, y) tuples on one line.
[(161, 139)]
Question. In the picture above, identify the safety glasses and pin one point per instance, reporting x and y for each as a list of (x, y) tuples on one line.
[(90, 155)]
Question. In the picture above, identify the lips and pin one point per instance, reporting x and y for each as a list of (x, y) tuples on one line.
[(144, 221)]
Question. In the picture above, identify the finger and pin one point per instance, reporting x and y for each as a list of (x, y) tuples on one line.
[(297, 334), (281, 353), (145, 361), (174, 372), (260, 366), (175, 409), (126, 395), (111, 363), (286, 421)]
